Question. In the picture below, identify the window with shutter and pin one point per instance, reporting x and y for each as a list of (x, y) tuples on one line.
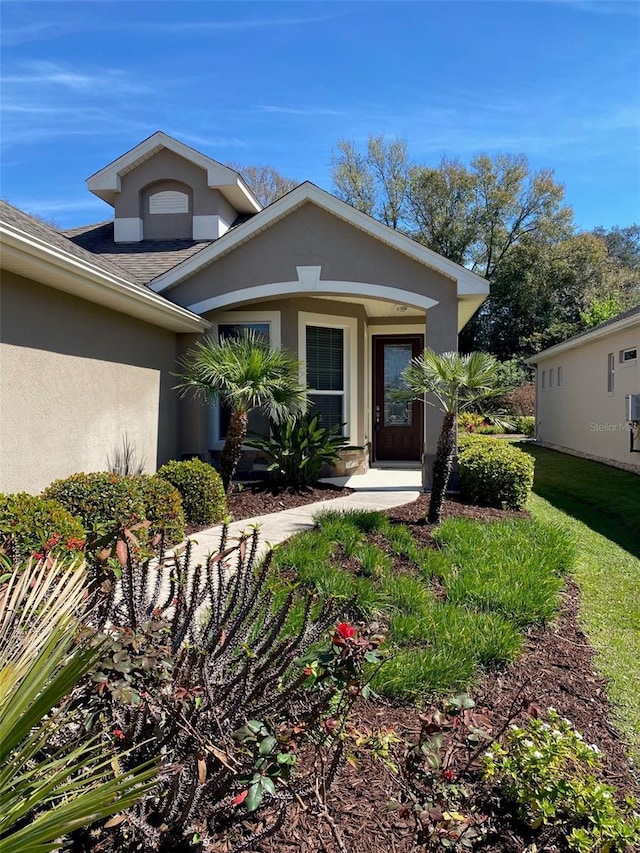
[(325, 353)]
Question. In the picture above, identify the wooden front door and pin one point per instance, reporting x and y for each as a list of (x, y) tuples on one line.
[(397, 426)]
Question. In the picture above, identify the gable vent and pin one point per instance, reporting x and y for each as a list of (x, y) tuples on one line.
[(169, 201)]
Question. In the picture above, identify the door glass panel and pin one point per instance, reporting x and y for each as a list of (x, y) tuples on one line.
[(397, 412)]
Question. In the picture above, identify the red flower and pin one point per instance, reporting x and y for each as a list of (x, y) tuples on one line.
[(52, 541), (118, 733), (449, 775), (75, 544), (345, 631), (37, 556), (307, 671), (240, 798)]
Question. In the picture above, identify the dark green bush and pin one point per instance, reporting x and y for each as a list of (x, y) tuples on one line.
[(103, 501), (162, 507), (203, 498), (298, 448), (39, 527), (493, 473)]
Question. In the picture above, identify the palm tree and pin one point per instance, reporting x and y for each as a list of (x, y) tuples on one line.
[(458, 382), (246, 373)]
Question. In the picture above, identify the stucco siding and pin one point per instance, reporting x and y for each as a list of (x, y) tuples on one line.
[(310, 236), (75, 377), (580, 413)]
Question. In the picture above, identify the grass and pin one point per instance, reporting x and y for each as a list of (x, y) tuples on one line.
[(498, 577), (600, 506)]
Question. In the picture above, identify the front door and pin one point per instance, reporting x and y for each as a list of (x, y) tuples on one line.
[(397, 425)]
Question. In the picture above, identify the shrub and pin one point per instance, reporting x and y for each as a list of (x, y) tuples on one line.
[(495, 473), (469, 421), (298, 448), (105, 502), (37, 527), (520, 401), (490, 429), (526, 424), (203, 498), (205, 673), (547, 769), (162, 507)]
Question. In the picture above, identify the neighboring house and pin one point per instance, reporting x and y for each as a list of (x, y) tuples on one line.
[(582, 390), (94, 319)]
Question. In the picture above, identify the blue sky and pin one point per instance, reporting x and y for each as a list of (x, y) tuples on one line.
[(280, 83)]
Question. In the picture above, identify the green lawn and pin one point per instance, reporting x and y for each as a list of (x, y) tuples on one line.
[(601, 506), (498, 579)]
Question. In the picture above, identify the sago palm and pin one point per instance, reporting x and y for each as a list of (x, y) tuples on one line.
[(54, 778), (245, 372), (457, 382)]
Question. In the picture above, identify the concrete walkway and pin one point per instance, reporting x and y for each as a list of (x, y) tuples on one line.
[(375, 490)]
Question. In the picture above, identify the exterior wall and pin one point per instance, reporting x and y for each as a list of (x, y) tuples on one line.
[(310, 236), (75, 377), (166, 226), (581, 414)]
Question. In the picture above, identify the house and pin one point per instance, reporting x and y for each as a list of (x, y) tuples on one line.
[(94, 319), (583, 385)]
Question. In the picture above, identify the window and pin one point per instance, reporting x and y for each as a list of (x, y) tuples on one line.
[(551, 378), (628, 355), (326, 373), (611, 369), (544, 378), (169, 201), (560, 377)]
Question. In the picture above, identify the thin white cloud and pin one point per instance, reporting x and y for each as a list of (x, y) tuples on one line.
[(98, 81), (239, 24), (602, 7), (298, 111)]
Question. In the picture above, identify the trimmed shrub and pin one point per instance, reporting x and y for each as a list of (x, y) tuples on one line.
[(103, 501), (203, 498), (162, 507), (471, 439), (39, 527), (493, 473)]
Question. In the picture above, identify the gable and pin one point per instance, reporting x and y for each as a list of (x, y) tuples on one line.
[(310, 236)]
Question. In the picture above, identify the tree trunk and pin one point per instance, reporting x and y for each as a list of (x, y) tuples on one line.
[(232, 449), (442, 466)]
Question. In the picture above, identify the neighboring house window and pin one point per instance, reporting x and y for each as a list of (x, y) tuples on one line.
[(325, 359), (628, 355), (560, 377), (544, 378), (169, 201), (551, 378), (611, 369)]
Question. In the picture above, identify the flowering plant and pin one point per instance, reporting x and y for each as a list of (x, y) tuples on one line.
[(549, 771)]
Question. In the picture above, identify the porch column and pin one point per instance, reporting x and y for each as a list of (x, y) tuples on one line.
[(441, 335)]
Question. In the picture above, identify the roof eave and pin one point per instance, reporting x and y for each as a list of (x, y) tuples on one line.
[(34, 258), (589, 337)]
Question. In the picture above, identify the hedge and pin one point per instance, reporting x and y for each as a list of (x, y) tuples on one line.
[(494, 473), (37, 527)]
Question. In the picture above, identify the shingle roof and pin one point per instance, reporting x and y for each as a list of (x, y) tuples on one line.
[(142, 261), (36, 228)]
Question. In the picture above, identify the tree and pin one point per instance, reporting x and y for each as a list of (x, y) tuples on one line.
[(374, 182), (265, 182), (247, 373), (457, 382)]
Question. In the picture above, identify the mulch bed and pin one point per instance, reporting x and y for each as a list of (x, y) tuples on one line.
[(259, 499), (555, 670)]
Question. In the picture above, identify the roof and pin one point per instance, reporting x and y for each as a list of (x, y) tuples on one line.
[(625, 320), (141, 261), (35, 250), (106, 183)]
